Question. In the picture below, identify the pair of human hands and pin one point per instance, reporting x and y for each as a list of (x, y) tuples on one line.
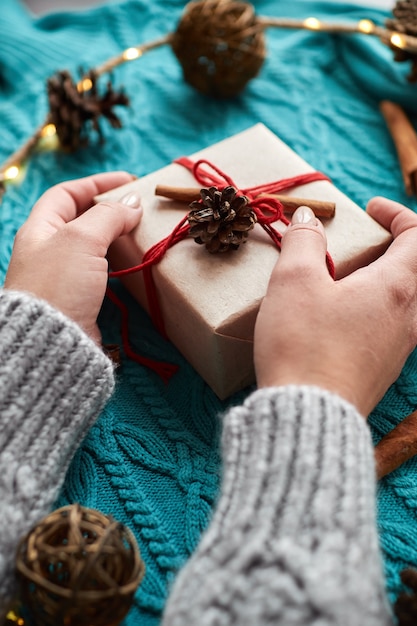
[(350, 336)]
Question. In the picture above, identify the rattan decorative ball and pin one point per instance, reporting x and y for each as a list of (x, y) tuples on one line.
[(404, 20), (220, 45), (405, 608), (78, 567)]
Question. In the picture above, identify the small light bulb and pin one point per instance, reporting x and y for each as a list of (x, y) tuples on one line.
[(312, 23), (49, 130), (130, 54), (398, 40), (11, 172), (85, 85), (13, 617), (366, 26)]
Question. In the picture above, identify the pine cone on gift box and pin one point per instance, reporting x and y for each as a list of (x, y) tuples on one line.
[(221, 219), (74, 111), (405, 21)]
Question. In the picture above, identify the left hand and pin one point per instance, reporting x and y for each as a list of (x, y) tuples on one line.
[(59, 253)]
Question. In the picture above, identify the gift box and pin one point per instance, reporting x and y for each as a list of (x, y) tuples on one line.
[(209, 302)]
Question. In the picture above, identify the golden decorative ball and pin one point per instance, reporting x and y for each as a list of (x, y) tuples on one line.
[(78, 567), (220, 45)]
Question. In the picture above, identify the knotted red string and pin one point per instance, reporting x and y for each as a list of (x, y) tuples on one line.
[(267, 209)]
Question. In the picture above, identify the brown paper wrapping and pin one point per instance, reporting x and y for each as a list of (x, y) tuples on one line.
[(210, 302)]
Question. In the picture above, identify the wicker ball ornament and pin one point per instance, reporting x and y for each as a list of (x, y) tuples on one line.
[(406, 605), (220, 46), (78, 567), (404, 21)]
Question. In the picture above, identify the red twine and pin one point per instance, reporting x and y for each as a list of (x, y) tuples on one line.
[(267, 210)]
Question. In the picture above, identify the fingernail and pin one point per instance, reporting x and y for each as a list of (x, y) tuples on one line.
[(303, 215), (131, 200), (133, 176)]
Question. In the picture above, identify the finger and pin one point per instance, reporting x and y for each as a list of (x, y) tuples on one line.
[(64, 202), (104, 223), (393, 216), (303, 246), (402, 222)]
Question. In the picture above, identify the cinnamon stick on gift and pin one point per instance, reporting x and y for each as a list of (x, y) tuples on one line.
[(397, 447), (405, 140), (321, 208)]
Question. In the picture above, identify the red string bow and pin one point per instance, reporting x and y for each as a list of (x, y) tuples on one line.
[(267, 209)]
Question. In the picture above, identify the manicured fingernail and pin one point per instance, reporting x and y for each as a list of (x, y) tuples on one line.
[(131, 199), (303, 215)]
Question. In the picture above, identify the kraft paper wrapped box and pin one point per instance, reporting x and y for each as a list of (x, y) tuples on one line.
[(209, 302)]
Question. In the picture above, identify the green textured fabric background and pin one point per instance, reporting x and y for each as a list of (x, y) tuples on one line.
[(152, 459)]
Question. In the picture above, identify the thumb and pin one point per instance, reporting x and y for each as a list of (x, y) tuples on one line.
[(107, 221), (304, 244)]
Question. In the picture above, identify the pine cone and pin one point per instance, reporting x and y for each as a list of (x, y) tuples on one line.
[(405, 21), (220, 46), (406, 604), (75, 112), (221, 219)]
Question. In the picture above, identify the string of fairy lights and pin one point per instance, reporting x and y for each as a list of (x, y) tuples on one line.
[(13, 168)]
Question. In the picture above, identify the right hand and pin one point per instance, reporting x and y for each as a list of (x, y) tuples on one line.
[(350, 336)]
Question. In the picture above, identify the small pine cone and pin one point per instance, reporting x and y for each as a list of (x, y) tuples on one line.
[(220, 46), (221, 219), (74, 112), (406, 605), (404, 21), (405, 17)]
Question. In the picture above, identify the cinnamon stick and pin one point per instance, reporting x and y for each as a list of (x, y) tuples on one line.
[(405, 140), (397, 447), (321, 208)]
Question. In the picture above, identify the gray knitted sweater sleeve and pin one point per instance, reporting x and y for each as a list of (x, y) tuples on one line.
[(293, 540), (53, 383)]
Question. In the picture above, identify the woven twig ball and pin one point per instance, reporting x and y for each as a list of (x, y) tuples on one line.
[(78, 567), (220, 46), (404, 20), (405, 608)]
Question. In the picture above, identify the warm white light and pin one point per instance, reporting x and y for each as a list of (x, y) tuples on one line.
[(398, 40), (312, 23), (366, 26), (130, 54), (49, 130), (11, 172), (85, 84)]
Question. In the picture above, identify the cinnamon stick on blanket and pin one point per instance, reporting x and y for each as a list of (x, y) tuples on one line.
[(397, 447), (321, 208), (405, 140)]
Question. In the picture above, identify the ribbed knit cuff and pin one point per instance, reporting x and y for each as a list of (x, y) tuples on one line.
[(293, 539), (54, 381)]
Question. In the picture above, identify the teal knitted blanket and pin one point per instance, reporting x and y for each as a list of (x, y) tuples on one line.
[(152, 459)]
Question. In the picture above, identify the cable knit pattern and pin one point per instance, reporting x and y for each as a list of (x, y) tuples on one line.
[(53, 383), (152, 458), (294, 521)]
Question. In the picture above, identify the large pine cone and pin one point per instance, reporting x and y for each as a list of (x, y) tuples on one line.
[(405, 21), (219, 45), (221, 219), (75, 112)]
